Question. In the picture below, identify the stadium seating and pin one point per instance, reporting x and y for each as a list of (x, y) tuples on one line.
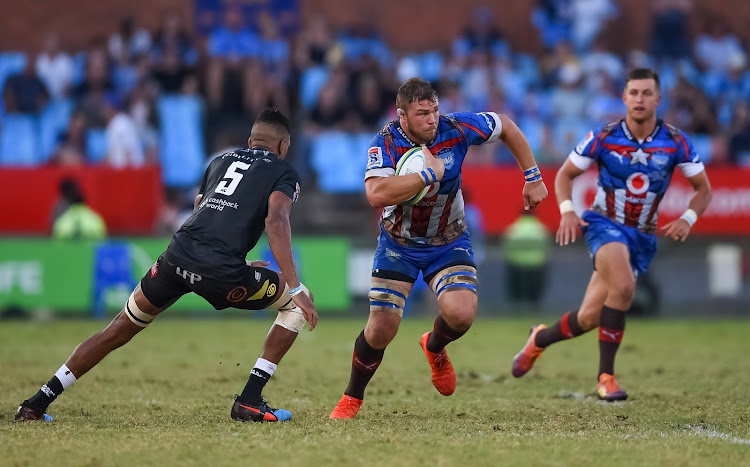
[(96, 144), (339, 160), (311, 81), (52, 122), (702, 145), (18, 140), (182, 150), (10, 64)]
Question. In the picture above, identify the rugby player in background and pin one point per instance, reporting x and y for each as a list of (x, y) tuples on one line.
[(636, 157)]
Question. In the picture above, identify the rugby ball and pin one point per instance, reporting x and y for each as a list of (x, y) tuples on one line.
[(412, 162)]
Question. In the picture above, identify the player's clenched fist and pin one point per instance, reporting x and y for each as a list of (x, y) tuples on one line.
[(434, 162), (533, 193)]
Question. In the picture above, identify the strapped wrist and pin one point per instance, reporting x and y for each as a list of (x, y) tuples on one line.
[(690, 216), (532, 174), (566, 206)]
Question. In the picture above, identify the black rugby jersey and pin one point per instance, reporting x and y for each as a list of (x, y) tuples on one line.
[(230, 218)]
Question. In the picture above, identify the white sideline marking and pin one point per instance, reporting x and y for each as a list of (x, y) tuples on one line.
[(699, 430)]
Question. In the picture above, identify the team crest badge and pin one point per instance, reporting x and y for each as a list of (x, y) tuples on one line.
[(447, 155), (659, 160)]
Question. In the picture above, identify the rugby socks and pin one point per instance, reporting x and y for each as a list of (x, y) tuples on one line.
[(54, 387), (566, 328), (365, 361), (259, 376), (611, 329), (442, 335)]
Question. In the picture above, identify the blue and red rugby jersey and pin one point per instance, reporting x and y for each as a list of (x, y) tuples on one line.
[(443, 205), (634, 175)]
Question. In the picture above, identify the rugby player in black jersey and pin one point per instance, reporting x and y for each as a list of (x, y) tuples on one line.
[(242, 194)]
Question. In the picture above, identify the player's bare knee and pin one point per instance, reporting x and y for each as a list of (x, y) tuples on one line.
[(623, 292), (380, 332)]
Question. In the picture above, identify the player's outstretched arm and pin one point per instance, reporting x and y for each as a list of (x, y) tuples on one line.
[(679, 229), (534, 190), (279, 232), (569, 220)]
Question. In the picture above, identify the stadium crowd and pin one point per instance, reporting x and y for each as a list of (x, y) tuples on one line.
[(171, 98)]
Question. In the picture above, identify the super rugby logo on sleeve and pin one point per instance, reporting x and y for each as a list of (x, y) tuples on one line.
[(374, 157), (584, 142)]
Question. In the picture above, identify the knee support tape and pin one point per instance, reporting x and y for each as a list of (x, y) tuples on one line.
[(290, 316), (454, 277), (387, 297), (138, 317)]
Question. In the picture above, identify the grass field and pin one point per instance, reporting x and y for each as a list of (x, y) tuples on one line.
[(165, 398)]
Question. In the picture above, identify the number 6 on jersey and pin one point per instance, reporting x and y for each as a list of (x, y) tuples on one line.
[(227, 188)]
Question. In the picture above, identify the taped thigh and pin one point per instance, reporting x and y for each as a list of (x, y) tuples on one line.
[(138, 317), (387, 297), (455, 277)]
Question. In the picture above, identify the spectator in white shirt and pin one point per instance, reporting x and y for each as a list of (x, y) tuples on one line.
[(54, 67), (124, 148)]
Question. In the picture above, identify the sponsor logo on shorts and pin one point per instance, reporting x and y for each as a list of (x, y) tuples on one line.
[(263, 290), (154, 270), (185, 274), (613, 232), (391, 253), (257, 276), (237, 294), (271, 290)]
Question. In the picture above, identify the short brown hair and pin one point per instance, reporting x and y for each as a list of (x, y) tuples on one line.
[(644, 73), (415, 90)]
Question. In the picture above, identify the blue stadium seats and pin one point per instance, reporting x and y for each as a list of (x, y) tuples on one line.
[(702, 145), (533, 128), (112, 269), (79, 68), (18, 140), (10, 64), (96, 145), (311, 81), (182, 150), (339, 160), (52, 122)]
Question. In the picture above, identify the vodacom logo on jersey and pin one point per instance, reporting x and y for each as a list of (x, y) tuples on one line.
[(638, 183)]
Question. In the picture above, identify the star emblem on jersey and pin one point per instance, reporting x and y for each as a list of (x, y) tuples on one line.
[(639, 157)]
